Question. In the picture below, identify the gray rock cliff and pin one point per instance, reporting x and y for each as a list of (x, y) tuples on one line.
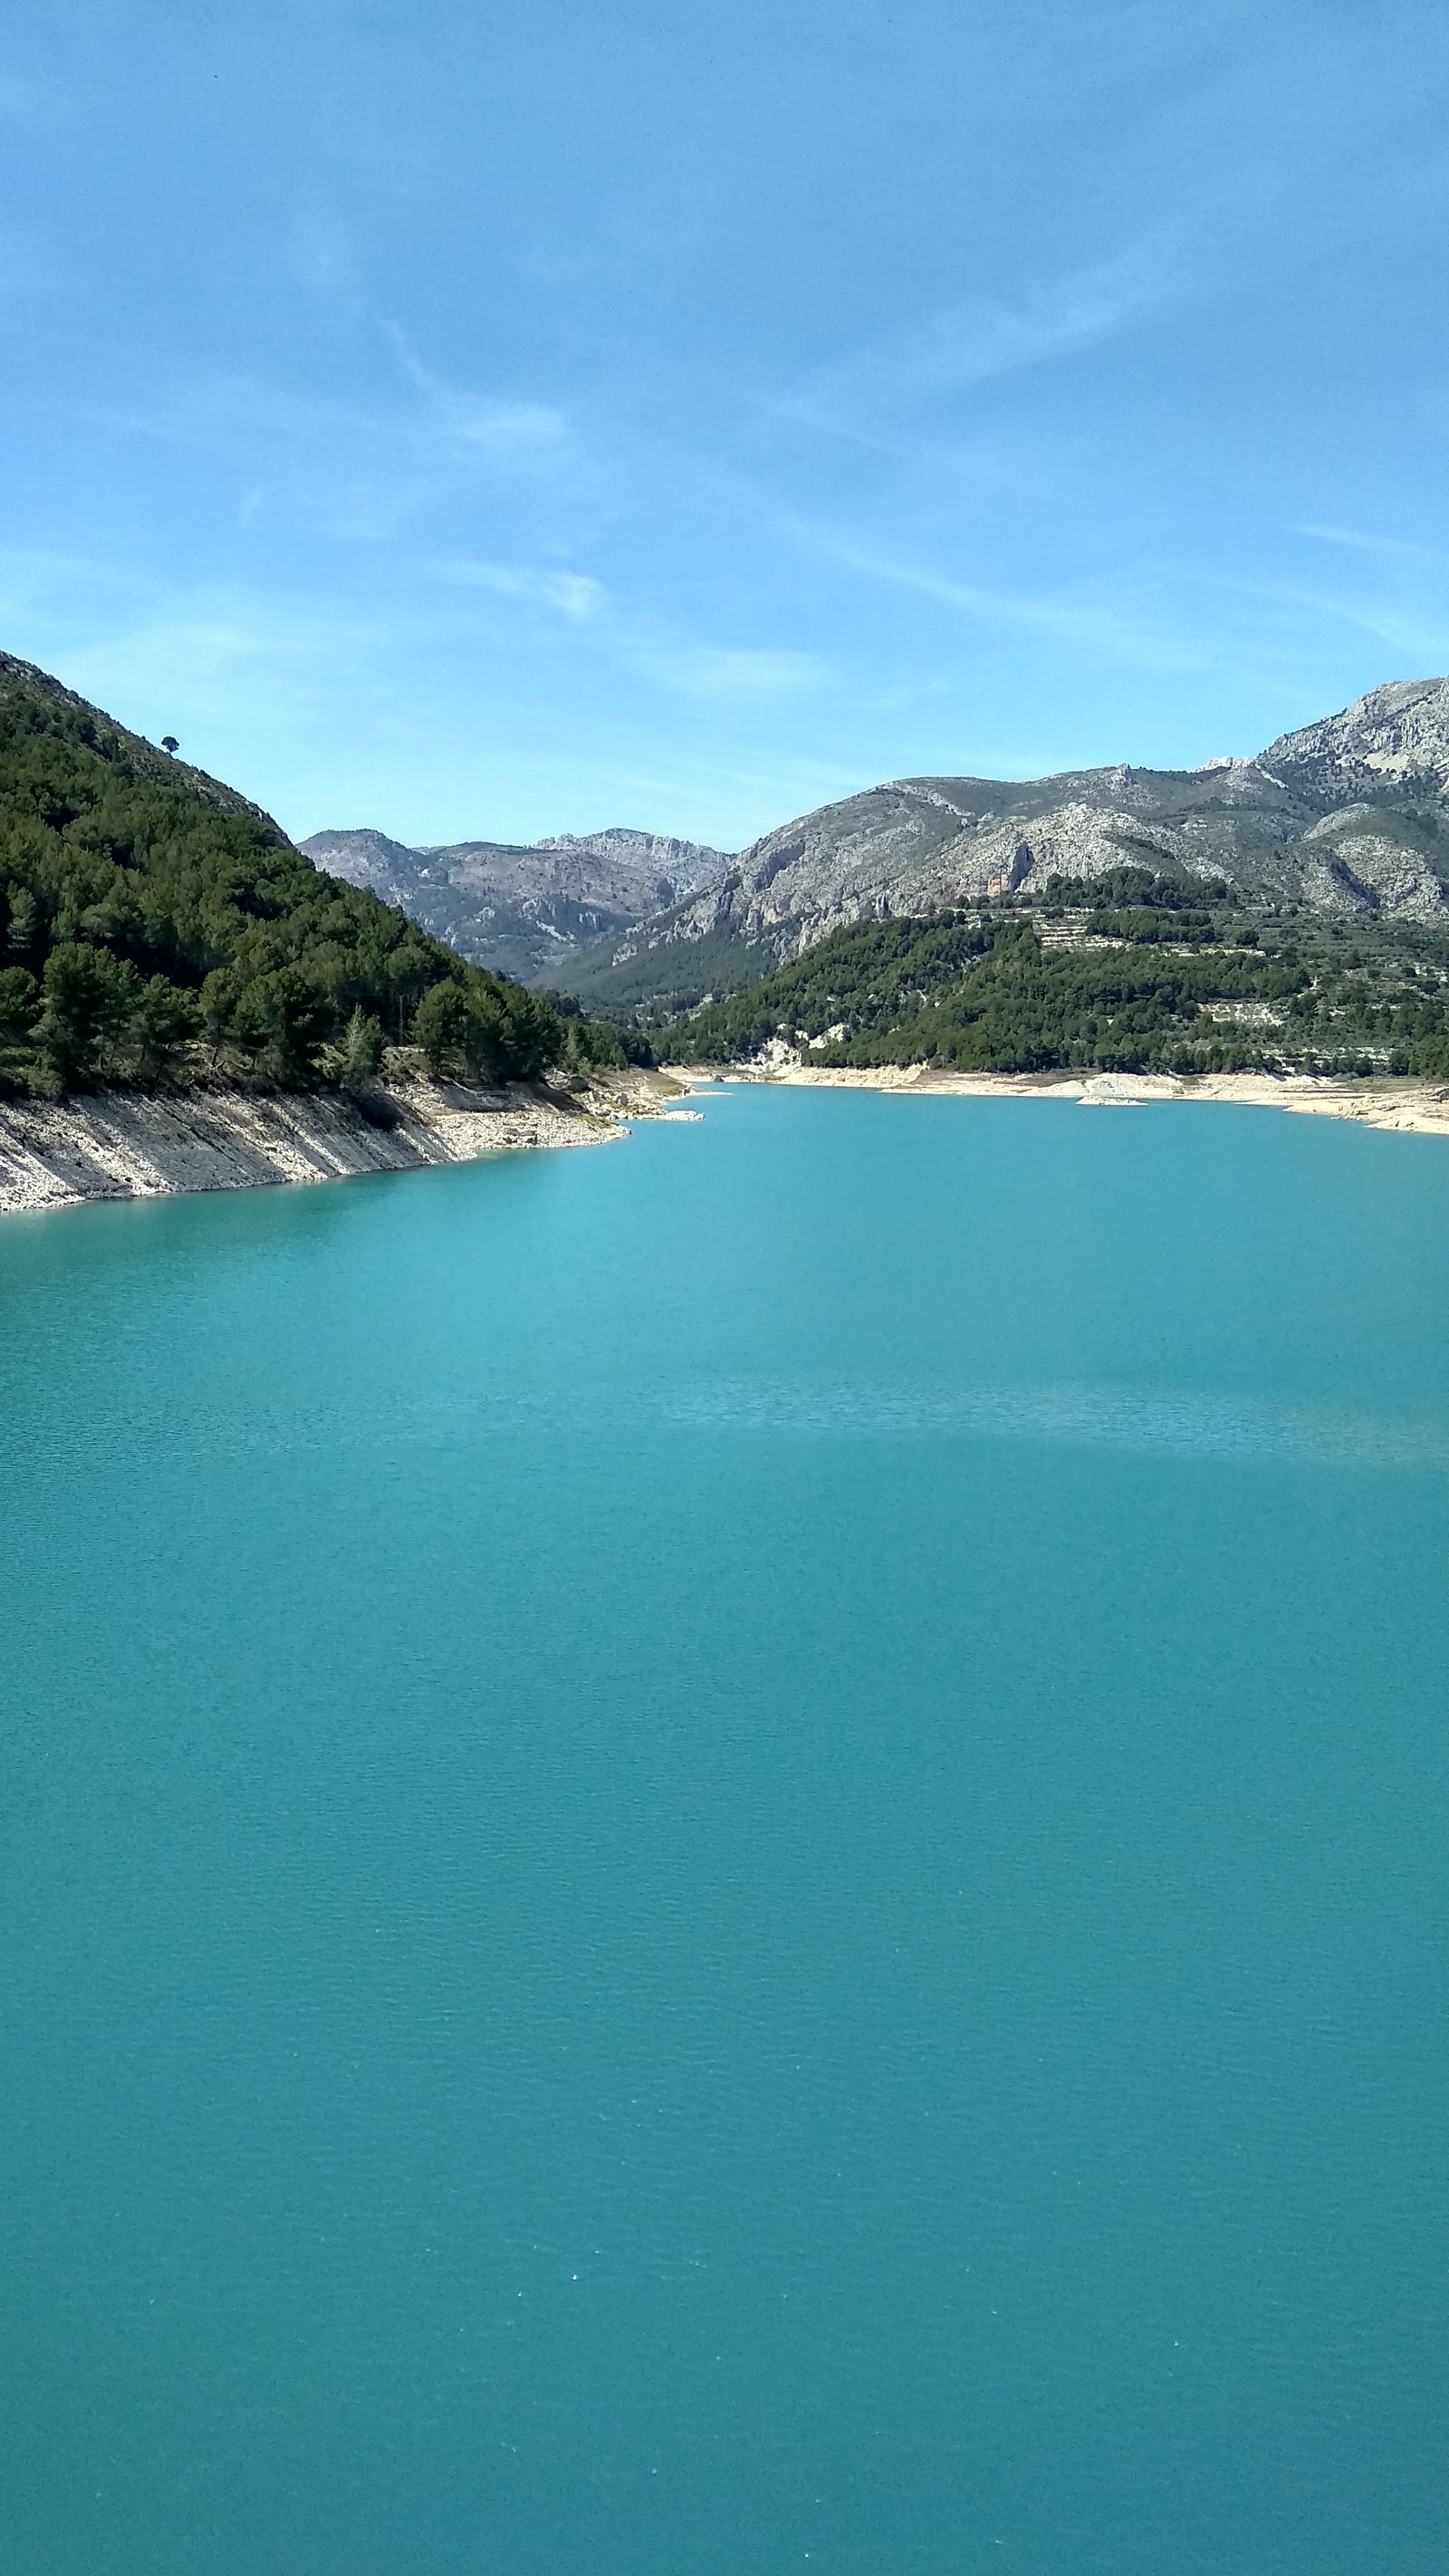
[(523, 908), (1348, 816)]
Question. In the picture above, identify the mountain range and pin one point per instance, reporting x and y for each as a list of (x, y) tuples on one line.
[(1346, 818), (522, 909), (1291, 910)]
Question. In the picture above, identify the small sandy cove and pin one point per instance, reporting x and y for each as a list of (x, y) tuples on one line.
[(1386, 1100)]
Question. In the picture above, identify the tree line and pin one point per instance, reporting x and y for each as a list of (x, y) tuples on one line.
[(982, 992), (151, 921)]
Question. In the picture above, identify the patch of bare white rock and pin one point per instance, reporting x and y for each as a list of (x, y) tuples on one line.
[(1394, 1101), (135, 1145)]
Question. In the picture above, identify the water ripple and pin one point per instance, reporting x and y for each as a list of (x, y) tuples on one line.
[(1166, 1423)]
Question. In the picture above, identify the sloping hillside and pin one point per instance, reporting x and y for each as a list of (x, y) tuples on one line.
[(1130, 972), (524, 909), (1347, 819), (151, 917)]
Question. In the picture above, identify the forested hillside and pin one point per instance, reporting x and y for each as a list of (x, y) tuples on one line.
[(1131, 972), (153, 922)]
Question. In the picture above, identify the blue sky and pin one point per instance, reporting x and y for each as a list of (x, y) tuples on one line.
[(494, 420)]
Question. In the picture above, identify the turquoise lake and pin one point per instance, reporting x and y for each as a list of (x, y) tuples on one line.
[(732, 1856)]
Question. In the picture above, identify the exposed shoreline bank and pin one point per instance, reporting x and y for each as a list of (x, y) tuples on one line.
[(1389, 1101), (116, 1144)]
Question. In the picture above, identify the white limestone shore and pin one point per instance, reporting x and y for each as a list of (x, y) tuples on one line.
[(118, 1144), (1386, 1100)]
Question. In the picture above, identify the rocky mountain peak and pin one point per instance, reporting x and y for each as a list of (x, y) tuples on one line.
[(1345, 817), (1396, 737), (687, 864), (524, 907), (365, 858)]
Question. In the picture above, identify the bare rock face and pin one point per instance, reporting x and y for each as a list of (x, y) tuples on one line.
[(680, 867), (1396, 740), (364, 858), (523, 908), (1367, 859), (1349, 816), (129, 1144)]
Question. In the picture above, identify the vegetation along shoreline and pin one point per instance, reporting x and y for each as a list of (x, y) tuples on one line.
[(189, 1002), (186, 1002)]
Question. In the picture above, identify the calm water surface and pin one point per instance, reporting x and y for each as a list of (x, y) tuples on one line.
[(732, 1856)]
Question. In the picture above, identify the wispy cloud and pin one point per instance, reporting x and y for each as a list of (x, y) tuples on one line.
[(1420, 638), (367, 470), (681, 665), (978, 336), (215, 663), (1207, 225), (987, 335), (1417, 640), (573, 594), (1360, 541), (50, 585), (1075, 621), (729, 677), (507, 441)]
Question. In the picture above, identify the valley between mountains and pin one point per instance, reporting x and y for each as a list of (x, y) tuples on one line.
[(1288, 912), (187, 999)]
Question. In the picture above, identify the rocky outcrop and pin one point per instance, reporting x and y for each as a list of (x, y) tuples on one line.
[(522, 910), (130, 1145), (1345, 817), (1366, 860), (1349, 816), (1395, 739)]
